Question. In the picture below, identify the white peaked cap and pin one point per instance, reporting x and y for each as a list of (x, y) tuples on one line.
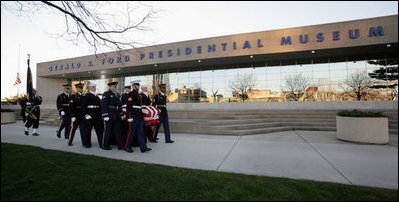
[(135, 81)]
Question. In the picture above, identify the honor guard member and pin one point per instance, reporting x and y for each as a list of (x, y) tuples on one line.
[(124, 123), (63, 100), (77, 116), (160, 101), (147, 101), (32, 113), (111, 110), (91, 108), (22, 102), (135, 118)]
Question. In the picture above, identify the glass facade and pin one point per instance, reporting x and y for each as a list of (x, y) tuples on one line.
[(327, 80)]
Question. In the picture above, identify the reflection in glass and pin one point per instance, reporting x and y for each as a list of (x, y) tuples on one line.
[(268, 83)]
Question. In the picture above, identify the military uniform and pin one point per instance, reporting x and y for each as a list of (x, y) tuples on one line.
[(136, 121), (111, 110), (148, 132), (77, 116), (63, 100), (124, 123), (91, 104), (32, 113), (160, 101)]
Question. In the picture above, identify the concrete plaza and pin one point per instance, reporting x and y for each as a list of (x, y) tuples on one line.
[(311, 155)]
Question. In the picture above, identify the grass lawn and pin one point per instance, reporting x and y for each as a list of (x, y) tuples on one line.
[(32, 173)]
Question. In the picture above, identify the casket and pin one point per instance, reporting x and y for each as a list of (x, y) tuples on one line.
[(151, 114)]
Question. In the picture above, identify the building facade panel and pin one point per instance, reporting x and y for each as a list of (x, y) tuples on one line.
[(268, 63)]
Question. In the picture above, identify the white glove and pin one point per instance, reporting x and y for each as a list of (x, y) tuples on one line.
[(73, 119), (123, 117), (106, 118), (130, 120), (26, 114), (62, 113), (87, 117), (28, 103)]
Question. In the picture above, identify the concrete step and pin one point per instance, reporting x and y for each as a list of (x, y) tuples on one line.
[(257, 131), (278, 129), (269, 124), (290, 119), (242, 126)]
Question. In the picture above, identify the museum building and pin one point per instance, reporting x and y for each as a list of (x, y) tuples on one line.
[(309, 63)]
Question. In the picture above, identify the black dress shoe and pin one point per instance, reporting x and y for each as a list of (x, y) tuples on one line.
[(154, 141), (35, 134), (170, 141), (107, 148), (66, 137), (58, 135), (70, 144), (26, 133), (146, 149), (86, 146), (156, 138), (129, 150)]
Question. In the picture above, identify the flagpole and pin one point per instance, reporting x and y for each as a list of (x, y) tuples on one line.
[(19, 62)]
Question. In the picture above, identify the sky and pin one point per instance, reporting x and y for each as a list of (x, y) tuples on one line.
[(175, 21)]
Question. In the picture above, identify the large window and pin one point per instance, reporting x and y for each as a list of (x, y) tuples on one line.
[(328, 81)]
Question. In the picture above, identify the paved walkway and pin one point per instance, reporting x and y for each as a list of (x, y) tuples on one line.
[(312, 155)]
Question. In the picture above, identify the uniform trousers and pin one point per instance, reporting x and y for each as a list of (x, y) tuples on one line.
[(74, 125), (98, 125), (112, 127)]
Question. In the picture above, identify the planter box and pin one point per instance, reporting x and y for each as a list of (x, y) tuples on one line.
[(8, 117), (373, 130)]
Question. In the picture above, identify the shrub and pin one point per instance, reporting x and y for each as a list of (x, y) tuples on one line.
[(357, 113)]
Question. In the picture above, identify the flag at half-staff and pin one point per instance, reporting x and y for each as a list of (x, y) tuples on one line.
[(29, 81), (18, 81)]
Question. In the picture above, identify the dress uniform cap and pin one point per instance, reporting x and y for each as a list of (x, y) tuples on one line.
[(128, 86), (79, 85), (67, 85), (113, 83), (144, 86), (92, 84), (137, 82), (162, 85)]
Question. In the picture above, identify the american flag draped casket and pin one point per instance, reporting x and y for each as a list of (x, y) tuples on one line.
[(150, 114)]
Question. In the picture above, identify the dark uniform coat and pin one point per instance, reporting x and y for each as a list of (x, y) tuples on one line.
[(33, 109), (91, 105), (63, 103), (160, 99), (75, 106), (75, 109), (146, 100), (63, 100), (148, 132), (134, 111), (160, 102), (111, 107), (135, 99), (124, 123)]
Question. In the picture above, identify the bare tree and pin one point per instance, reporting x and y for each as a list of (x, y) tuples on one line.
[(243, 85), (357, 85), (296, 86), (85, 21)]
